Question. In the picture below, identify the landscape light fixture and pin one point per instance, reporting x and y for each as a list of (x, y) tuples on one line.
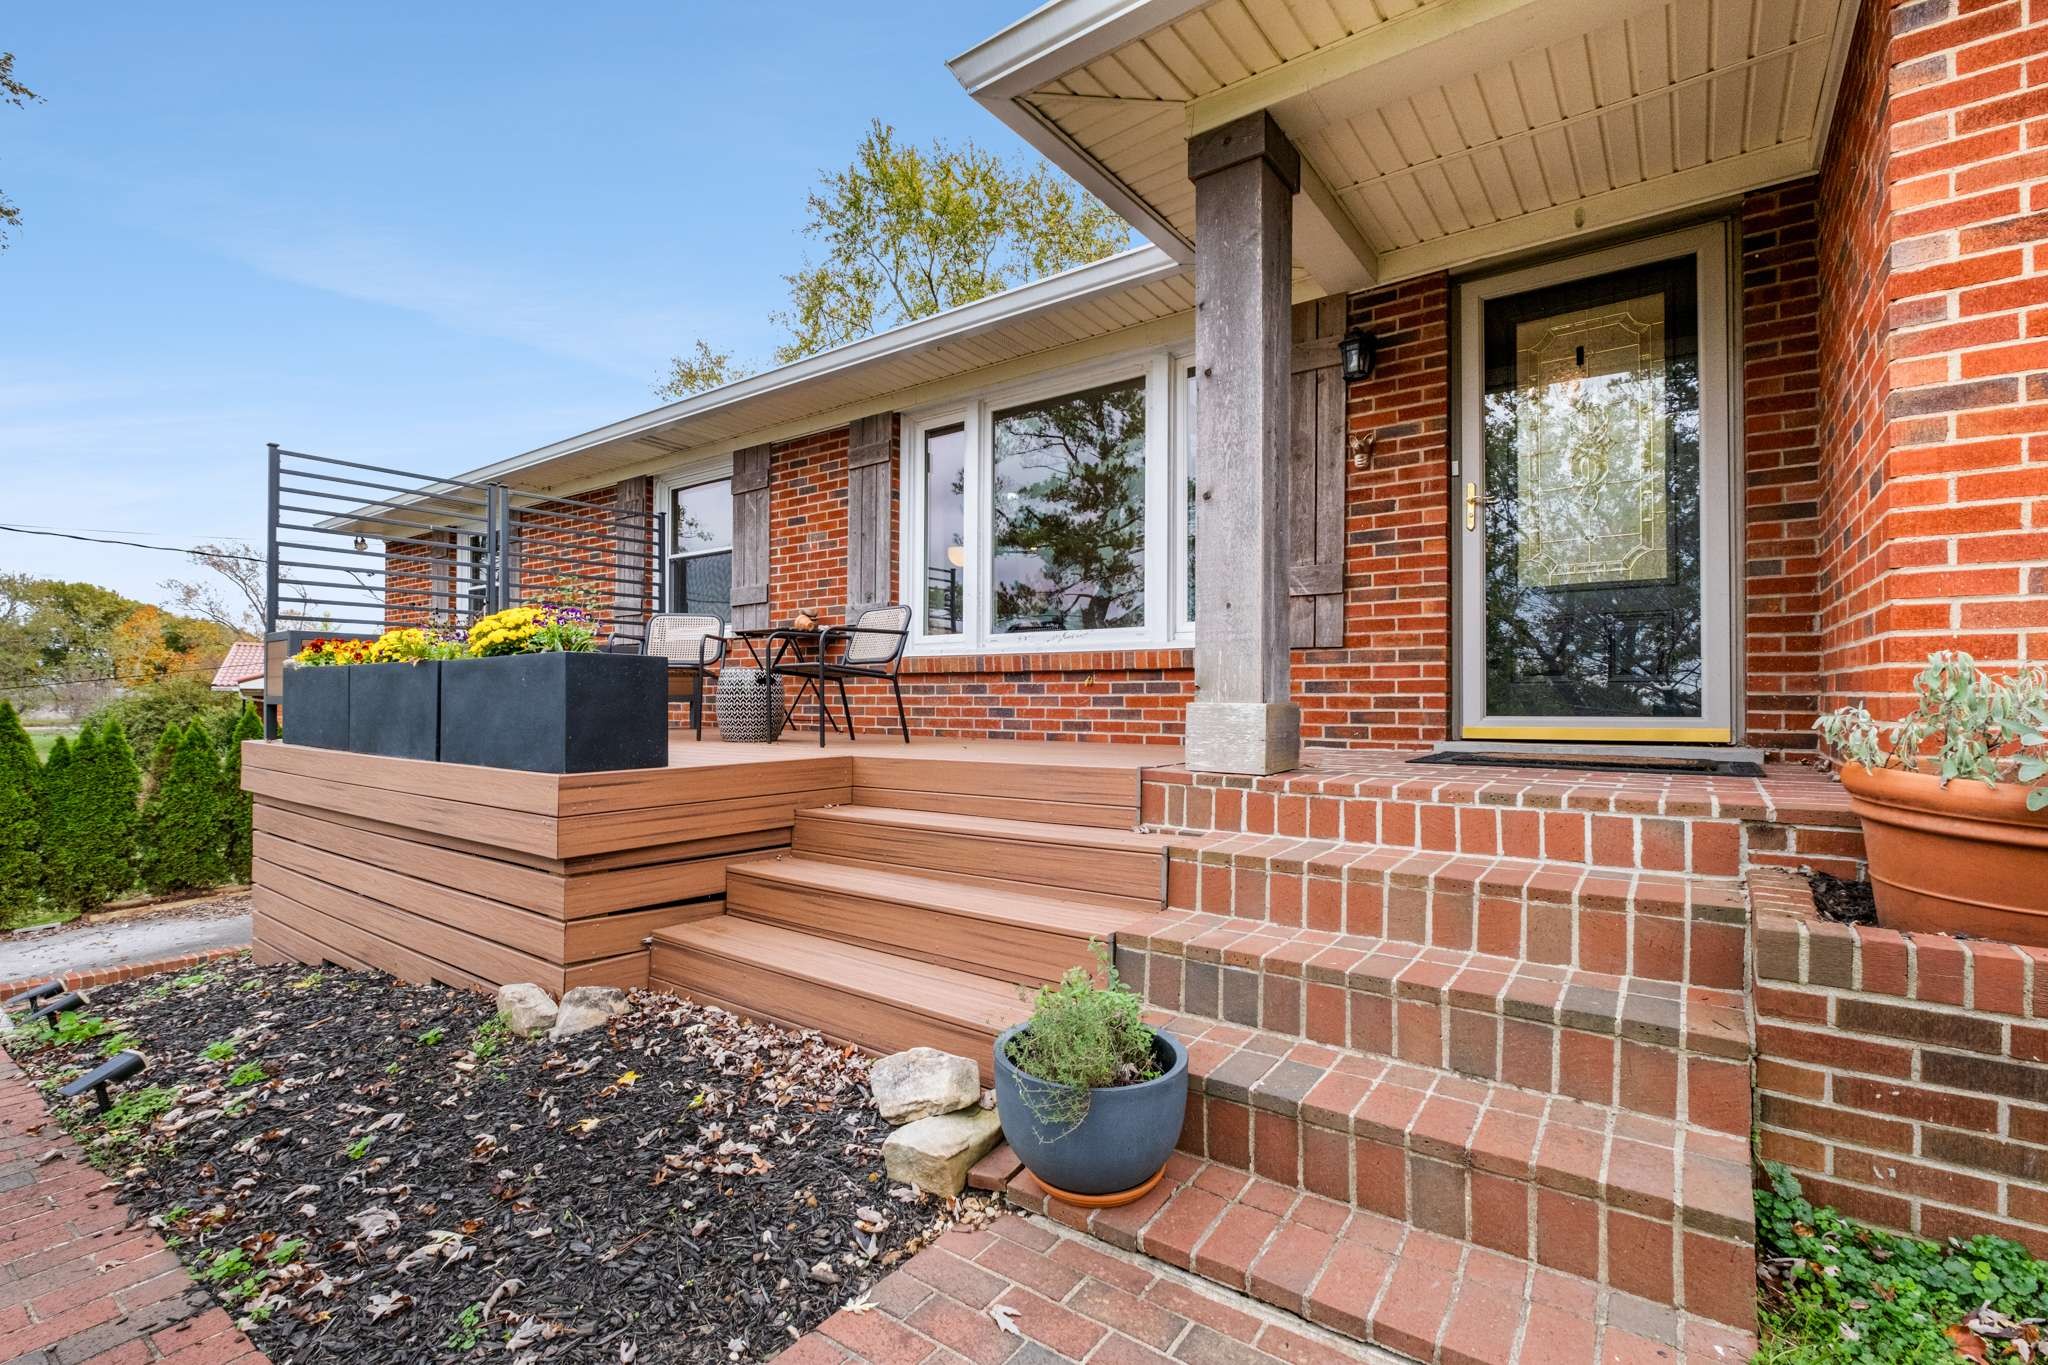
[(32, 994), (122, 1066), (57, 1004), (1359, 349)]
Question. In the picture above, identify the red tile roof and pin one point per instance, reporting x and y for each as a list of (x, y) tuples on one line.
[(244, 662)]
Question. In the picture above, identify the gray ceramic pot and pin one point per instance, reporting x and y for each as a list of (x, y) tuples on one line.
[(1128, 1134)]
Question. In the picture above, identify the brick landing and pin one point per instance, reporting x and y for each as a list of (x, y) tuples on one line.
[(81, 1279), (1421, 1295), (1075, 1300)]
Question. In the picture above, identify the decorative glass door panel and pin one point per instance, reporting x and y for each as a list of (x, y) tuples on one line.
[(1594, 531)]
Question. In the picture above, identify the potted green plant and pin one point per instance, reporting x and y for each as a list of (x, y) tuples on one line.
[(1091, 1096), (1955, 822), (534, 692)]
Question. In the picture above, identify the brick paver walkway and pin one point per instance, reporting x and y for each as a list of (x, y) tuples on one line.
[(1075, 1300), (82, 1279)]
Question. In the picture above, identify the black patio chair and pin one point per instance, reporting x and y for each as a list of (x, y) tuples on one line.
[(870, 648), (692, 644)]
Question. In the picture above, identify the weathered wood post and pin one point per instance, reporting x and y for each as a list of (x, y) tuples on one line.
[(1242, 719)]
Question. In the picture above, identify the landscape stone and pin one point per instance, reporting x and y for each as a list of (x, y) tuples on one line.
[(935, 1153), (923, 1082), (527, 1009), (588, 1007)]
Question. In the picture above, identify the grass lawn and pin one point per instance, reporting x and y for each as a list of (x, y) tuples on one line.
[(44, 739)]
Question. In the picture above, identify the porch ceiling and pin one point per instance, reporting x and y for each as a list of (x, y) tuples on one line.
[(1434, 133)]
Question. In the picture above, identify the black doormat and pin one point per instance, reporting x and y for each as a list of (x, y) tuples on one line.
[(1605, 763)]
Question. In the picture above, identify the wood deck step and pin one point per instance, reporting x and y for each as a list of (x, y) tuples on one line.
[(1114, 862), (872, 999), (1056, 788), (996, 929)]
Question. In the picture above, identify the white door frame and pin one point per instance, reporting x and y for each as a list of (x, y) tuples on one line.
[(1720, 558)]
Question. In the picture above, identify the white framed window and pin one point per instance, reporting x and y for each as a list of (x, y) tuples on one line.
[(1050, 514), (696, 504)]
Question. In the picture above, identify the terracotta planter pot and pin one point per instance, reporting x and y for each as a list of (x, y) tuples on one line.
[(1961, 859)]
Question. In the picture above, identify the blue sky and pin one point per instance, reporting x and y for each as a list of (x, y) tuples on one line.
[(425, 234)]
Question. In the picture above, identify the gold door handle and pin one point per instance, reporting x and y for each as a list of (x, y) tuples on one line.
[(1471, 506)]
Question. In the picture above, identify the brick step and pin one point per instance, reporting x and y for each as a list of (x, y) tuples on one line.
[(1650, 1047), (876, 1000), (1402, 1288), (1072, 858), (994, 928), (1711, 826), (1642, 1204), (1656, 926)]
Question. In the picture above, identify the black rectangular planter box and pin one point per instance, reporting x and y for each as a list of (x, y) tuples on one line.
[(556, 713), (395, 709), (316, 705)]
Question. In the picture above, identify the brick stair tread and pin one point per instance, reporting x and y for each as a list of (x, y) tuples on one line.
[(966, 896), (1474, 873), (1786, 793), (1667, 1013), (1660, 1168), (1376, 1279), (886, 818)]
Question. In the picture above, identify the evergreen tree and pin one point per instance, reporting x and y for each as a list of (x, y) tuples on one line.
[(181, 817), (62, 773), (21, 818), (161, 757), (236, 836), (109, 816)]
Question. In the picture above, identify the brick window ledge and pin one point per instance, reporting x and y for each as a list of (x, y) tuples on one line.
[(1053, 661)]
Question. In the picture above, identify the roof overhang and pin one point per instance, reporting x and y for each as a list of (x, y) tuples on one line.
[(1435, 134), (1101, 300)]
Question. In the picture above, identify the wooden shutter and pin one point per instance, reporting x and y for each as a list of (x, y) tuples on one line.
[(750, 538), (1315, 573), (870, 519)]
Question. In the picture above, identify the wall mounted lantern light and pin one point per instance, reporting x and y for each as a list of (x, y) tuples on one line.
[(1359, 349)]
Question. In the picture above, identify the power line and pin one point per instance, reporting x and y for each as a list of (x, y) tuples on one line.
[(133, 544), (106, 678)]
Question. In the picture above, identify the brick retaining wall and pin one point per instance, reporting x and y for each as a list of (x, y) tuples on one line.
[(1902, 1077)]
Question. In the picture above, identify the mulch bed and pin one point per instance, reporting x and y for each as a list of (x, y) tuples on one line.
[(364, 1170), (1843, 902)]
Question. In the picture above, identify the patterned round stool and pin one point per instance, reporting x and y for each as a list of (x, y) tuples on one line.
[(749, 705)]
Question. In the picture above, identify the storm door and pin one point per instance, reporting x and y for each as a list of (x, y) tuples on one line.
[(1592, 498)]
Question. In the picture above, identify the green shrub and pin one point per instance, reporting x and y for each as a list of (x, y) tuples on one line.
[(181, 846), (21, 820), (146, 712), (1839, 1293), (62, 775), (1083, 1037), (102, 826), (236, 836)]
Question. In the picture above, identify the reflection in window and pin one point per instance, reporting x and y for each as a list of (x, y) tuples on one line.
[(945, 552), (1187, 437), (700, 549), (1069, 512)]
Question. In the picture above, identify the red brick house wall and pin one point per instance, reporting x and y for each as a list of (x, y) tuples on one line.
[(1902, 1077), (1781, 467), (1935, 345)]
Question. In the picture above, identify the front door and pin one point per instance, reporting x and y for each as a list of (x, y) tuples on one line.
[(1592, 498)]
